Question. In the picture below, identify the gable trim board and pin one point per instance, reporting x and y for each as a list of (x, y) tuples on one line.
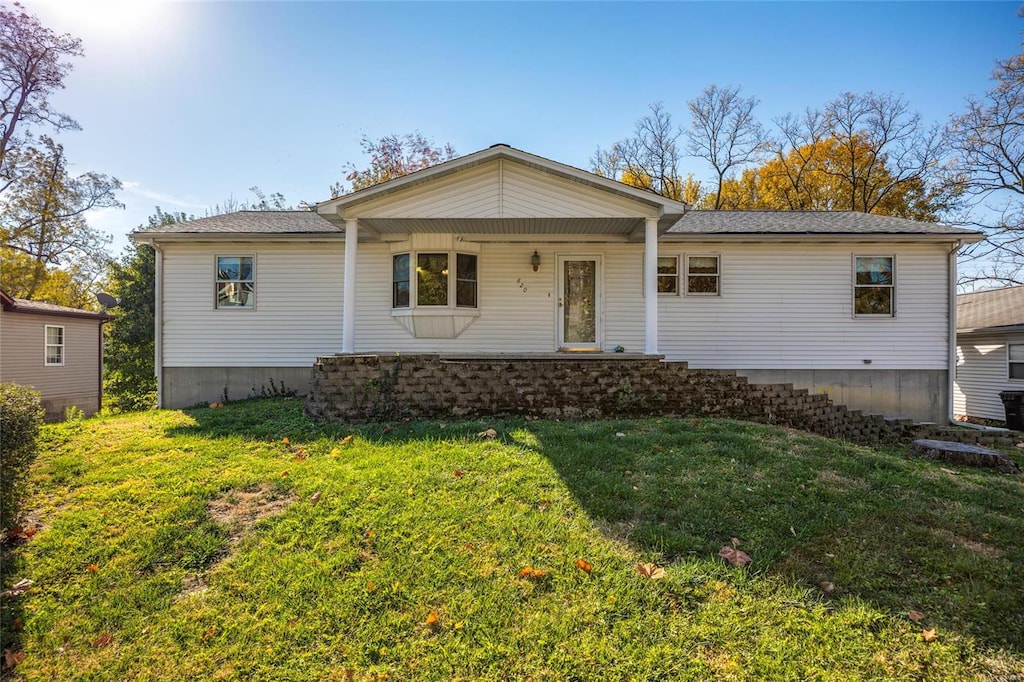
[(785, 303)]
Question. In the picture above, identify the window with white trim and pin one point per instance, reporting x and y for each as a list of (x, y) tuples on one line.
[(54, 345), (703, 274), (668, 274), (1015, 360), (433, 285), (874, 286), (236, 282)]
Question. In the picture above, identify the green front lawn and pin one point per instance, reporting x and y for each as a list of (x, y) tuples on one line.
[(187, 545)]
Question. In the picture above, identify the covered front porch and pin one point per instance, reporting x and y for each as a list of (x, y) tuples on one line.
[(501, 251)]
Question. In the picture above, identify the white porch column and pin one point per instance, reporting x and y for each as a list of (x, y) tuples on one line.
[(651, 286), (348, 306)]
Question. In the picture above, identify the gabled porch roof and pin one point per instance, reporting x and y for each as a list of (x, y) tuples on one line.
[(503, 191)]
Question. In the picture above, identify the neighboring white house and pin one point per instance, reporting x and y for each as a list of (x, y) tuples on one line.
[(54, 349), (990, 351), (502, 251)]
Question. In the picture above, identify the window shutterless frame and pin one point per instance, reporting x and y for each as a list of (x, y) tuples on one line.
[(435, 280), (874, 286), (703, 274), (1015, 361), (53, 345), (669, 274), (234, 281)]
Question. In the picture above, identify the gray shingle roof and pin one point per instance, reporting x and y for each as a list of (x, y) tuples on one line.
[(23, 305), (993, 308), (804, 222), (249, 222)]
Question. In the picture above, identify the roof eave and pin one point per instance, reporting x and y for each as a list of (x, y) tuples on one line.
[(822, 236), (146, 237)]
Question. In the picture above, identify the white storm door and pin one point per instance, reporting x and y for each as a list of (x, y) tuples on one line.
[(579, 302)]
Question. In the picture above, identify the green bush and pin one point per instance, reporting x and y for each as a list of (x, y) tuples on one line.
[(21, 413)]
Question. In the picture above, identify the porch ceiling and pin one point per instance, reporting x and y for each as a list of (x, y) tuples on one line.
[(632, 229)]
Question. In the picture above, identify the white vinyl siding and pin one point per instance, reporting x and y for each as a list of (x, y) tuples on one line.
[(298, 315), (517, 307), (780, 307), (502, 189), (788, 306), (982, 372)]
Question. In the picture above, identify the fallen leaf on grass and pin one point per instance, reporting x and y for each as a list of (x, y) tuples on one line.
[(620, 434), (387, 429), (346, 440), (531, 573), (93, 568), (286, 440), (915, 616), (827, 587), (103, 640), (734, 556), (300, 454), (950, 471), (650, 571), (284, 474), (489, 434), (433, 620), (315, 498), (17, 625), (929, 635), (584, 565), (12, 658), (209, 633), (17, 589), (459, 473), (335, 453), (735, 542)]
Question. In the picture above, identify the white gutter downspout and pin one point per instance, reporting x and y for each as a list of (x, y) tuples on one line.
[(951, 275), (158, 323)]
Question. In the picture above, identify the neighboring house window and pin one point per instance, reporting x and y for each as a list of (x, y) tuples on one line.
[(702, 275), (433, 285), (668, 274), (54, 351), (236, 284), (1015, 354), (874, 286)]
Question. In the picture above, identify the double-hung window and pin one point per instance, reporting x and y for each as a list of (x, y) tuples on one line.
[(703, 275), (433, 284), (874, 286), (54, 345), (236, 282), (1015, 359), (668, 274)]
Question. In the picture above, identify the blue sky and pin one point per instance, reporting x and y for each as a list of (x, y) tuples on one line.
[(190, 103)]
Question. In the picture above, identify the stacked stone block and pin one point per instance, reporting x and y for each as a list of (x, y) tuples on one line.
[(357, 388)]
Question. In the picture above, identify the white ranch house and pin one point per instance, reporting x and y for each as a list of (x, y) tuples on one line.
[(505, 252)]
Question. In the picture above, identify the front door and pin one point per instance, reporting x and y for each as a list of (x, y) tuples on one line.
[(579, 302)]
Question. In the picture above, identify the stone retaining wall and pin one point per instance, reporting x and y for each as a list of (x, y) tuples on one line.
[(388, 387)]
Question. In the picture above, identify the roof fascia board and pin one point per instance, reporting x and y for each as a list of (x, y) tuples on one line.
[(817, 237), (84, 314), (1004, 329), (145, 237)]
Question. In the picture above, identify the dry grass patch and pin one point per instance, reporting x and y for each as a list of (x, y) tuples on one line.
[(237, 511), (982, 549), (840, 482)]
